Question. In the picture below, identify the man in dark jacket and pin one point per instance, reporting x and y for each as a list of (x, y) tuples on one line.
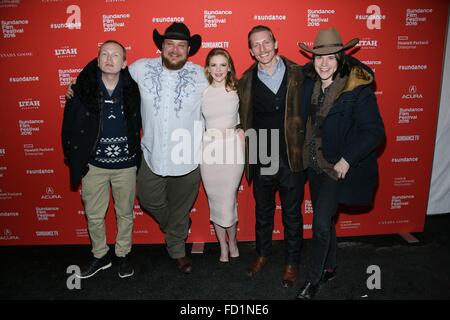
[(100, 136), (270, 100)]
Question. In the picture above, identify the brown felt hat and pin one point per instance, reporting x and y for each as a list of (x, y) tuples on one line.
[(328, 41)]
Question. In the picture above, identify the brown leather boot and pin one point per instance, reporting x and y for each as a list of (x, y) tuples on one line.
[(257, 265), (289, 275)]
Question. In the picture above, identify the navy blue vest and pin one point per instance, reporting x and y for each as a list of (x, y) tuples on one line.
[(269, 110)]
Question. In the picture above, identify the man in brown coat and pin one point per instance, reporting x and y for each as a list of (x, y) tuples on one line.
[(270, 92)]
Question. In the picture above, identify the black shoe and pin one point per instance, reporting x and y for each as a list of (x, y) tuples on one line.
[(308, 291), (184, 264), (327, 275), (125, 267), (94, 266)]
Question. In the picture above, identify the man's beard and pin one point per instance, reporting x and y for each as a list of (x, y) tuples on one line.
[(173, 66)]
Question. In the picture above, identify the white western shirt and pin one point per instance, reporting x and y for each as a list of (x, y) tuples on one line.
[(171, 115)]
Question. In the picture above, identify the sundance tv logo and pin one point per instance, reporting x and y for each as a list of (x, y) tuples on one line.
[(47, 233)]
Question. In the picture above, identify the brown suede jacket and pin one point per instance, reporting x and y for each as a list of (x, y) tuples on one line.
[(294, 124)]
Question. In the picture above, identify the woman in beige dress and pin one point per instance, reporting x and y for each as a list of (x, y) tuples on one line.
[(222, 163)]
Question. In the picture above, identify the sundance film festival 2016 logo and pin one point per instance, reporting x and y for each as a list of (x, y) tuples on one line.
[(29, 127), (416, 16), (214, 18), (110, 24), (67, 75), (12, 27), (373, 17), (397, 202), (46, 213), (72, 22), (408, 114), (315, 17)]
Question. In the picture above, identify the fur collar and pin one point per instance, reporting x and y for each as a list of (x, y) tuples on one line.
[(360, 74), (90, 94)]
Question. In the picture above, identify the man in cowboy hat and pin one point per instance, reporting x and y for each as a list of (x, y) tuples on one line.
[(270, 100), (171, 88), (343, 131)]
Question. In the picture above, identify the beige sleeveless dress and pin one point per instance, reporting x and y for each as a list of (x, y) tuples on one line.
[(222, 155)]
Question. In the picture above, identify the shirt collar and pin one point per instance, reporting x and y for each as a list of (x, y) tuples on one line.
[(277, 67)]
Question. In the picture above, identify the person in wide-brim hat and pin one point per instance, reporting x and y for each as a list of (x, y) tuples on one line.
[(328, 41), (178, 31)]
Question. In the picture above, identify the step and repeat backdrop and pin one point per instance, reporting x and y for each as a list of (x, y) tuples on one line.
[(45, 44)]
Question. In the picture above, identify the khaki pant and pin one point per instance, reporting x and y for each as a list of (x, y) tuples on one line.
[(169, 200), (95, 195)]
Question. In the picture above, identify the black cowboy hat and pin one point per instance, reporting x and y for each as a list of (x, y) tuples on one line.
[(178, 31)]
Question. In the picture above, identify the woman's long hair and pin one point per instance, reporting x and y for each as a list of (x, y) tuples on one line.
[(230, 79)]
